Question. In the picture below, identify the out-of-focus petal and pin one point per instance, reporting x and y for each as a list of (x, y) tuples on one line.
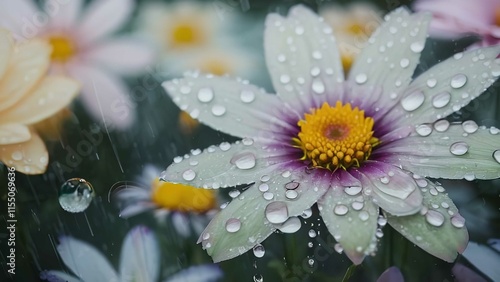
[(392, 274), (64, 14), (103, 18), (52, 94), (105, 96), (199, 273), (13, 133), (465, 274), (484, 258), (21, 18), (29, 157), (122, 55), (6, 49), (140, 256), (58, 276)]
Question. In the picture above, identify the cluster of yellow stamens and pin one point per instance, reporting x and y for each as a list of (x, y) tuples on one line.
[(182, 198), (186, 34), (62, 48), (336, 137)]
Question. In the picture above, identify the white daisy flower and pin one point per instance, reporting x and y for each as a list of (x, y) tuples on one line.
[(189, 208), (81, 48), (139, 261), (352, 26), (356, 147)]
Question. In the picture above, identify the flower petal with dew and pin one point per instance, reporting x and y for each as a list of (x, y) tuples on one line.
[(348, 145)]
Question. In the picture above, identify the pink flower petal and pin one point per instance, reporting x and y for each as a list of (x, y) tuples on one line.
[(103, 18), (123, 55), (104, 96), (64, 14), (22, 18)]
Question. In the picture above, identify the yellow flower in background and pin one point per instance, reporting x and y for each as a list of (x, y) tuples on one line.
[(352, 26), (28, 96), (189, 208)]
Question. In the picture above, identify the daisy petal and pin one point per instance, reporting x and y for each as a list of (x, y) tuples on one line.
[(14, 133), (19, 18), (354, 228), (29, 157), (223, 166), (64, 14), (301, 55), (29, 62), (136, 208), (6, 48), (390, 57), (105, 96), (452, 153), (96, 22), (111, 54), (51, 95), (465, 274), (233, 107), (199, 273), (392, 189), (81, 257), (140, 256), (438, 229), (439, 92), (248, 210), (484, 258), (58, 276)]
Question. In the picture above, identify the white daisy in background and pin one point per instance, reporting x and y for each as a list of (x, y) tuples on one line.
[(202, 44), (81, 48), (359, 147), (189, 208), (485, 258), (139, 261), (27, 96), (352, 26)]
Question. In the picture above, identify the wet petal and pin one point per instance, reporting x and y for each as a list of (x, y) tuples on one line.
[(96, 22), (353, 227), (223, 166), (136, 208), (450, 85), (484, 259), (58, 276), (199, 273), (29, 157), (438, 229), (13, 133), (29, 62), (301, 56), (140, 256), (392, 53), (391, 189), (231, 106), (450, 153), (392, 274), (85, 260), (51, 95), (6, 49)]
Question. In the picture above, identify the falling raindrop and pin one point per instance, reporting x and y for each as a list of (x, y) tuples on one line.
[(276, 212), (75, 195), (259, 251), (233, 225), (459, 148)]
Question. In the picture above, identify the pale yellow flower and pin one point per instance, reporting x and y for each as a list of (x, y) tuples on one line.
[(27, 96)]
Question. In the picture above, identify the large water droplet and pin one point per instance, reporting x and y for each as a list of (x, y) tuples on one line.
[(496, 156), (442, 99), (234, 193), (424, 130), (292, 185), (318, 86), (268, 196), (364, 215), (224, 146), (413, 101), (291, 194), (434, 218), (247, 96), (340, 209), (431, 82), (218, 110), (470, 126), (417, 47), (458, 221), (312, 233), (291, 225), (233, 225), (441, 125), (205, 95), (357, 205), (276, 212), (263, 187), (75, 195), (459, 148), (189, 175), (352, 190), (458, 81), (361, 78), (259, 251), (244, 160)]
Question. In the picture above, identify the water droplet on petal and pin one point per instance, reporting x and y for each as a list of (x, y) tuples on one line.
[(381, 221), (284, 79), (442, 99), (470, 126), (441, 125), (361, 78), (417, 47), (244, 160), (218, 110), (259, 251), (338, 248), (312, 233), (458, 81), (459, 148), (424, 130), (434, 218), (205, 236), (247, 96), (75, 195), (268, 196), (224, 146), (458, 221), (340, 209), (431, 82), (276, 212), (496, 156), (263, 187), (494, 130), (265, 178), (306, 214), (318, 86), (233, 225), (413, 101), (352, 190), (234, 193), (357, 205), (364, 215), (291, 194), (189, 175), (205, 95), (292, 185), (404, 63), (17, 155), (286, 174), (291, 225), (384, 180)]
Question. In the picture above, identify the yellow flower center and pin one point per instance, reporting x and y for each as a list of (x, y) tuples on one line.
[(336, 137), (355, 28), (213, 66), (183, 198), (62, 48), (186, 34)]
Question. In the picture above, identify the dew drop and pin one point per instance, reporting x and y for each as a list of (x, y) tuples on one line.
[(310, 262), (470, 126), (431, 82), (205, 95), (276, 212), (318, 86), (361, 78), (265, 178), (364, 215), (189, 175), (224, 146), (17, 155), (458, 221), (292, 185), (291, 194), (268, 196), (284, 79), (259, 251), (299, 30), (291, 225), (441, 125), (458, 81), (205, 236), (459, 148), (442, 99), (340, 209), (244, 160), (75, 195), (263, 187), (434, 218), (338, 248), (424, 130), (381, 221), (185, 89), (494, 130), (384, 180), (233, 225), (413, 101), (247, 96), (312, 233), (417, 47), (316, 55), (404, 63), (352, 190), (286, 174), (218, 110), (234, 193), (496, 156), (306, 214), (357, 205)]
